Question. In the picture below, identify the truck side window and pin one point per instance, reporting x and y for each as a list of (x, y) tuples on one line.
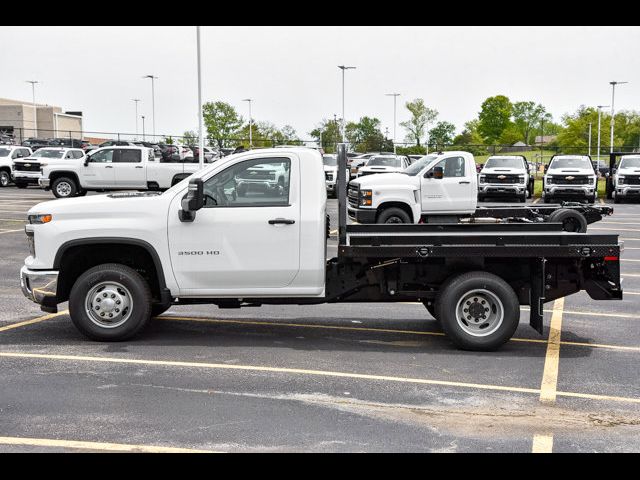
[(129, 156), (452, 166), (260, 182), (103, 156)]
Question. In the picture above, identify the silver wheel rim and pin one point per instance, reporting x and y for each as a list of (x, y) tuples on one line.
[(4, 179), (108, 304), (63, 189), (479, 313)]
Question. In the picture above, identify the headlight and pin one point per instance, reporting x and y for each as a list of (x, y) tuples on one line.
[(548, 180), (621, 180), (483, 179), (42, 218), (43, 165), (365, 198), (521, 179)]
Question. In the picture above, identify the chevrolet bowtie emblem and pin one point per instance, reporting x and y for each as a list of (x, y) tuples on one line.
[(502, 177), (570, 177), (27, 164)]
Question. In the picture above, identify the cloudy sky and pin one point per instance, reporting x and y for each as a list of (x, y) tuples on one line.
[(292, 75)]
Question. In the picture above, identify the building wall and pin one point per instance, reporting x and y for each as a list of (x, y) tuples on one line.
[(21, 116), (69, 127)]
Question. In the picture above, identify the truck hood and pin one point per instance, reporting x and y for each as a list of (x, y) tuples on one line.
[(499, 170), (571, 171), (379, 169), (115, 204), (628, 171), (382, 179), (330, 168)]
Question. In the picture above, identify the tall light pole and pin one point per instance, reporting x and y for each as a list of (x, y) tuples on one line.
[(142, 127), (249, 100), (589, 139), (343, 68), (613, 94), (200, 114), (136, 100), (35, 109), (153, 103), (395, 96), (600, 107)]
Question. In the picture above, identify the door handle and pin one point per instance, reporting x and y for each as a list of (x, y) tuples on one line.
[(138, 167), (464, 182), (108, 166), (284, 221)]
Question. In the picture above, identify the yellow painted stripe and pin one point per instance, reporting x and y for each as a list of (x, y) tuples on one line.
[(260, 368), (542, 444), (33, 320), (11, 231), (627, 292), (552, 359), (11, 220), (616, 229), (629, 260), (604, 398), (84, 445), (601, 201), (536, 200), (617, 223), (630, 275), (597, 314)]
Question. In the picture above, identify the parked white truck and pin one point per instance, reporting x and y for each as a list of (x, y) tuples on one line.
[(442, 187), (120, 259), (570, 177), (9, 153), (626, 178), (114, 168), (28, 170), (505, 176)]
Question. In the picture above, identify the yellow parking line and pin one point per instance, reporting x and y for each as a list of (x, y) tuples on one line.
[(552, 359), (12, 220), (84, 445), (333, 232), (617, 223), (591, 396), (536, 201), (33, 320), (597, 314), (628, 260), (616, 229), (11, 231), (630, 275), (261, 368), (542, 444), (601, 201)]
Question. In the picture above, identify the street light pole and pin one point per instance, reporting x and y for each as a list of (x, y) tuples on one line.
[(343, 68), (589, 139), (200, 119), (613, 93), (136, 100), (249, 100), (153, 103), (600, 107), (395, 96), (35, 109), (142, 127)]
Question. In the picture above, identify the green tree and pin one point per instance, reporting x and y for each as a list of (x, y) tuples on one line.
[(442, 133), (526, 115), (365, 135), (168, 140), (222, 121), (329, 132), (190, 138), (576, 128), (494, 117), (421, 117)]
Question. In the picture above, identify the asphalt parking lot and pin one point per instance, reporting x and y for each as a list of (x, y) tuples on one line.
[(365, 377)]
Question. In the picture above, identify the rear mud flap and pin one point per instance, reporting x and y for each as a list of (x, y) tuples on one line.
[(537, 294)]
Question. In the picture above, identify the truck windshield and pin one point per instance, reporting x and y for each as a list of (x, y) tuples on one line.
[(330, 161), (630, 162), (416, 167), (44, 153), (571, 163), (384, 162), (493, 162)]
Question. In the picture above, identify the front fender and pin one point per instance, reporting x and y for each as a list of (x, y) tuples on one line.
[(405, 194)]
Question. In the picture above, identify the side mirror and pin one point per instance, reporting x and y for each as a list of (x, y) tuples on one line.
[(87, 159), (192, 201), (546, 167), (614, 171), (438, 173)]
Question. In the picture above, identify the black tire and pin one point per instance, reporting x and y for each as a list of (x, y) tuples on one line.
[(531, 188), (393, 215), (572, 220), (546, 200), (5, 178), (523, 198), (591, 199), (157, 310), (64, 187), (21, 184), (617, 199), (139, 299), (454, 292), (609, 187)]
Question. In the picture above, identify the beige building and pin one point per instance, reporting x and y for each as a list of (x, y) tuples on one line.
[(19, 118)]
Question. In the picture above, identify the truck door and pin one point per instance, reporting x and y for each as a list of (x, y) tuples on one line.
[(455, 192), (130, 169), (99, 171), (247, 236)]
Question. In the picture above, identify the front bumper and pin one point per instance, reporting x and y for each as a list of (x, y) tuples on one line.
[(40, 286), (362, 215), (44, 182), (627, 190), (493, 189), (26, 177), (570, 191), (331, 186)]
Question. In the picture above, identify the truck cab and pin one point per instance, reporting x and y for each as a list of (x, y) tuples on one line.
[(626, 178), (9, 153), (570, 177), (442, 183), (505, 176)]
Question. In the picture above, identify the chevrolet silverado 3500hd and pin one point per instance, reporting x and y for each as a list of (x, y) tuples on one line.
[(120, 259)]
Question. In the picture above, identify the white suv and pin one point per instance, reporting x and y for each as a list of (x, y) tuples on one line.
[(626, 178), (570, 177)]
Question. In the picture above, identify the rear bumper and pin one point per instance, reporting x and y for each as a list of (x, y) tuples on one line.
[(40, 286)]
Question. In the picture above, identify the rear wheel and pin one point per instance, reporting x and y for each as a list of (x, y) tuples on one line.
[(64, 187), (110, 302), (5, 178), (572, 220), (478, 311), (393, 215)]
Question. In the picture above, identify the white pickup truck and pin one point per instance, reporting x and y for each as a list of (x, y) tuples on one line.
[(28, 170), (505, 176), (570, 177), (442, 187), (122, 258), (9, 153), (113, 168), (626, 178)]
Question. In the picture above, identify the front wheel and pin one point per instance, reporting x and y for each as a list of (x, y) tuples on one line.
[(393, 215), (64, 187), (478, 311), (5, 178), (110, 302)]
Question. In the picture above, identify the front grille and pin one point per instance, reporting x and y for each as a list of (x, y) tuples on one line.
[(328, 176), (500, 178), (632, 179), (352, 195), (571, 179), (27, 167)]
